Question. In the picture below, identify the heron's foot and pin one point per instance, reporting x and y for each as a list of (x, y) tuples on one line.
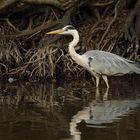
[(105, 97)]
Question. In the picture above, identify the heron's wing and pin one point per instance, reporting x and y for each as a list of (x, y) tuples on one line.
[(107, 63)]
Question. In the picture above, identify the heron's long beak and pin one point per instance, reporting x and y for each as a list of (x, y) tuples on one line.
[(56, 32)]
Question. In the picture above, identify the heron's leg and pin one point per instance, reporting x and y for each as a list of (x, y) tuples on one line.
[(97, 96), (106, 80), (97, 81)]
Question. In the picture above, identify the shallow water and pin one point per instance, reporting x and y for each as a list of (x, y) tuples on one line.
[(70, 111)]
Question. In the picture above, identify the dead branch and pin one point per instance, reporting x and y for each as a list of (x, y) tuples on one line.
[(107, 30), (103, 4)]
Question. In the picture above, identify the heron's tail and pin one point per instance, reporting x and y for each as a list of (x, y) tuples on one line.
[(135, 67)]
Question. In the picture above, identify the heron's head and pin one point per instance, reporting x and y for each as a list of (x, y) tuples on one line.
[(67, 30)]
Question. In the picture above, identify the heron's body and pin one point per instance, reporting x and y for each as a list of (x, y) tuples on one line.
[(105, 63), (98, 63)]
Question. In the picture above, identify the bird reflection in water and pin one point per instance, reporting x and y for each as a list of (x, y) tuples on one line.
[(101, 112), (99, 98)]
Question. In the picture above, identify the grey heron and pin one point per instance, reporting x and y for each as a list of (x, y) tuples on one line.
[(98, 63)]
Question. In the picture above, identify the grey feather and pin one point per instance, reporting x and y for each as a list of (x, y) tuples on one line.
[(106, 63)]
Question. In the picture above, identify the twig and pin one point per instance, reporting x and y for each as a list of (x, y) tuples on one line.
[(6, 69), (11, 25), (103, 4), (107, 30)]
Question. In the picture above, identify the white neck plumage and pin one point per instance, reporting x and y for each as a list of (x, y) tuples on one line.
[(75, 56), (72, 44)]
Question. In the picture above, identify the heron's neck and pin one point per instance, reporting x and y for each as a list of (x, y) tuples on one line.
[(75, 56), (72, 44)]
